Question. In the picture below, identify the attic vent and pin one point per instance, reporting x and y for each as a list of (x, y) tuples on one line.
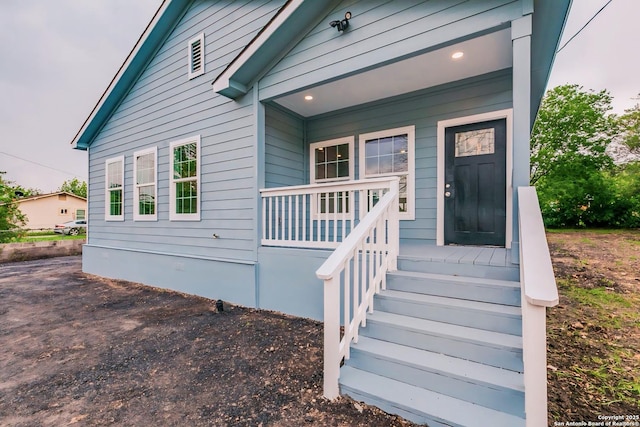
[(196, 56)]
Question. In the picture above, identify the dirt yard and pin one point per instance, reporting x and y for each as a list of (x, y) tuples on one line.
[(594, 333), (79, 350)]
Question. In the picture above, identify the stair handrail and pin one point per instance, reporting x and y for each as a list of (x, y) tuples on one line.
[(372, 247), (539, 291)]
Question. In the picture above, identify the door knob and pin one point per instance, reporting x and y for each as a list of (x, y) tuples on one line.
[(447, 194)]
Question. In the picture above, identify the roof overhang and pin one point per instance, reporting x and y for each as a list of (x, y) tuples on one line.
[(269, 45), (156, 32), (549, 20), (483, 54)]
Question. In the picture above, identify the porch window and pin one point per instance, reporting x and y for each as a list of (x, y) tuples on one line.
[(114, 200), (391, 153), (185, 180), (144, 172), (332, 161)]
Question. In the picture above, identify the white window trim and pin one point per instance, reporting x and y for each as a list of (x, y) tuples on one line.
[(411, 166), (477, 118), (338, 141), (107, 198), (200, 71), (137, 216), (173, 216), (315, 201)]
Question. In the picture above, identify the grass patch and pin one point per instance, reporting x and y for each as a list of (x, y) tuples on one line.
[(590, 230), (45, 236), (598, 297)]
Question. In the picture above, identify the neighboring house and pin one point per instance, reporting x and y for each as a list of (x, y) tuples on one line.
[(46, 210), (269, 152)]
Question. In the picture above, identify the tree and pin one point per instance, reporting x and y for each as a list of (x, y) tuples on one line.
[(79, 188), (572, 130), (630, 124), (11, 219)]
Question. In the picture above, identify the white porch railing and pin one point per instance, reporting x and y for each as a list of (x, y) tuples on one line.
[(539, 291), (317, 215), (359, 265)]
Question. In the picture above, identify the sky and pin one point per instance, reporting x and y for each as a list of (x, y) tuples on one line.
[(58, 56)]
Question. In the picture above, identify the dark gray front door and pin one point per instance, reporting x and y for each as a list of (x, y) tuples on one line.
[(475, 184)]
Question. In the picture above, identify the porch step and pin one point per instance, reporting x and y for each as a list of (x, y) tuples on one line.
[(482, 315), (477, 268), (494, 388), (496, 291), (420, 405), (490, 348)]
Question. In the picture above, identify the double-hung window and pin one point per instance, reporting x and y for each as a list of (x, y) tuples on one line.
[(114, 189), (144, 194), (184, 192), (332, 161), (391, 153)]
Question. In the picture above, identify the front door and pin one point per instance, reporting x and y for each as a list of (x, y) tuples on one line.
[(475, 184)]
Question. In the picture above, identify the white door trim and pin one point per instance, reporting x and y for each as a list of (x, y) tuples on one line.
[(442, 125)]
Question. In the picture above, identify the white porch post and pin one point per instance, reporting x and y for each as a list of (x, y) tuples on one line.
[(521, 39), (394, 230)]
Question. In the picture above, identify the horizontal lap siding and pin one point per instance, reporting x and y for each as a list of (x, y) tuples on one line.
[(284, 149), (165, 106), (382, 31), (423, 109)]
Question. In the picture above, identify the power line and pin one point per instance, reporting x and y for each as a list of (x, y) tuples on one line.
[(584, 26), (41, 165)]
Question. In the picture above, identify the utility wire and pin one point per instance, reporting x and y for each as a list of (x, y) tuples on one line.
[(584, 26), (40, 164)]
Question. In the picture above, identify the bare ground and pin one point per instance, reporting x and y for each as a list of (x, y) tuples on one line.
[(593, 335), (80, 350)]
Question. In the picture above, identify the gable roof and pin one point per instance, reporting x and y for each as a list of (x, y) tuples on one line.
[(44, 196), (277, 37), (269, 45), (163, 21)]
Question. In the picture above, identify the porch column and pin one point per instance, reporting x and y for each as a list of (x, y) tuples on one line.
[(521, 41)]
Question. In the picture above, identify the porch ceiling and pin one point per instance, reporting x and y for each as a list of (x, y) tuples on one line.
[(484, 54)]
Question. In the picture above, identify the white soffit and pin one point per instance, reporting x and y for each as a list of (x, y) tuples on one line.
[(482, 55)]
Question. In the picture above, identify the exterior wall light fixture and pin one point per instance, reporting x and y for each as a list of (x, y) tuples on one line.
[(343, 24)]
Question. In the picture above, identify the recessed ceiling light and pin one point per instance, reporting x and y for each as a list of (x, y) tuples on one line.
[(457, 55), (308, 97)]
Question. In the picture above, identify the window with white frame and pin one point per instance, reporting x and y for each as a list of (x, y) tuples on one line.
[(331, 161), (184, 204), (144, 191), (391, 153), (195, 53), (114, 189)]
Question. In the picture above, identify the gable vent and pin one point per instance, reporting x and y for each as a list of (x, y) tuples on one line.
[(196, 56)]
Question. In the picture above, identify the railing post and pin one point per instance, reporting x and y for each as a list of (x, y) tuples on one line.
[(331, 337), (539, 291), (394, 227)]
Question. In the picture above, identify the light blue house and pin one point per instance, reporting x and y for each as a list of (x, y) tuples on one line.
[(361, 162)]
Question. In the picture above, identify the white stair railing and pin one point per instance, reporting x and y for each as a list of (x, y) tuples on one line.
[(539, 291), (358, 266), (317, 215)]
